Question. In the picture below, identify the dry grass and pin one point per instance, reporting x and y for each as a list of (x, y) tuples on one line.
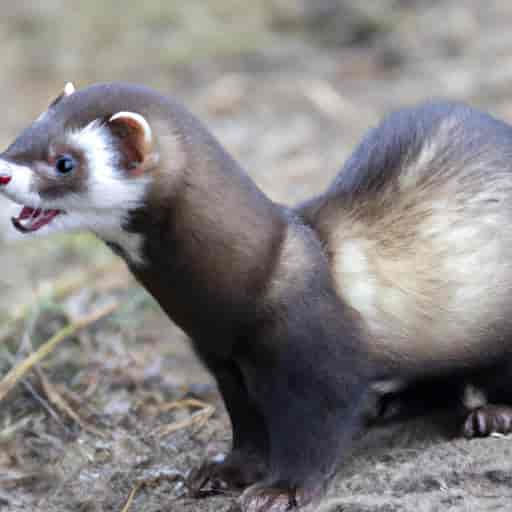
[(198, 419), (133, 492), (113, 274), (18, 372)]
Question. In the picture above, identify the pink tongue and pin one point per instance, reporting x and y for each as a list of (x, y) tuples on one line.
[(34, 219), (27, 212)]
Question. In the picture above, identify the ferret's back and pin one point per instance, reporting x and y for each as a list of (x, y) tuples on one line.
[(418, 229)]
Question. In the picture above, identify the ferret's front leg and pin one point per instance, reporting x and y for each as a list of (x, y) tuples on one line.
[(248, 460), (312, 408)]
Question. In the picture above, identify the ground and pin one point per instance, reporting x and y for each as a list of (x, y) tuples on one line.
[(117, 415)]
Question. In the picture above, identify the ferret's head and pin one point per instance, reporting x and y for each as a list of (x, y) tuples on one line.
[(85, 163)]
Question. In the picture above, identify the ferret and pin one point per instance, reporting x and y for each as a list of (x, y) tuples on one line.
[(395, 282)]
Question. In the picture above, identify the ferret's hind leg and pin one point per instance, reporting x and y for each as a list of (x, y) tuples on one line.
[(483, 404), (488, 420)]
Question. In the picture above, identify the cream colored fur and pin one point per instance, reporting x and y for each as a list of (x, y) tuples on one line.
[(427, 264)]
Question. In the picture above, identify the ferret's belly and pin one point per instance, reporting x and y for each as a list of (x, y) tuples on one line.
[(434, 285)]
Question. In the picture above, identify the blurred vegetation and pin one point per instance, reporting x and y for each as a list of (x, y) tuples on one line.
[(94, 39)]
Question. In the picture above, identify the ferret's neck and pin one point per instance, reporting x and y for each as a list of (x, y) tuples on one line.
[(209, 251)]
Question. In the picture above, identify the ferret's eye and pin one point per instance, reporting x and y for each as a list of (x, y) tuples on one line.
[(65, 164)]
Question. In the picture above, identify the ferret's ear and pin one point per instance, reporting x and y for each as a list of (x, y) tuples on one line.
[(68, 90), (136, 140)]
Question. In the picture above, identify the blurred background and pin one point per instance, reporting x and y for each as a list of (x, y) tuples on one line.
[(288, 87)]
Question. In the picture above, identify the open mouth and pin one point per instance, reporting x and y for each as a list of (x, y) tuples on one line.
[(32, 219)]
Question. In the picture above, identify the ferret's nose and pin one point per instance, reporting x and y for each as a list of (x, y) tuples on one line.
[(4, 179), (5, 173)]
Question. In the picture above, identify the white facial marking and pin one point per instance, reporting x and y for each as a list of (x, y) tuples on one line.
[(110, 194), (19, 189), (108, 187), (8, 209), (106, 226)]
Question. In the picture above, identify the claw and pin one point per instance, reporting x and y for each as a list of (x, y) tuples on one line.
[(487, 420), (261, 498), (268, 500), (235, 472)]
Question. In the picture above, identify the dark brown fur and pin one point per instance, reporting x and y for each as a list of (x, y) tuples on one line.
[(271, 355)]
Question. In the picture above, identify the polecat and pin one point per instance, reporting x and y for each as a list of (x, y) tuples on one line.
[(395, 279)]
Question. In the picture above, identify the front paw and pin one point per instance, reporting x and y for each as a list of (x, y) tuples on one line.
[(235, 472), (270, 498)]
